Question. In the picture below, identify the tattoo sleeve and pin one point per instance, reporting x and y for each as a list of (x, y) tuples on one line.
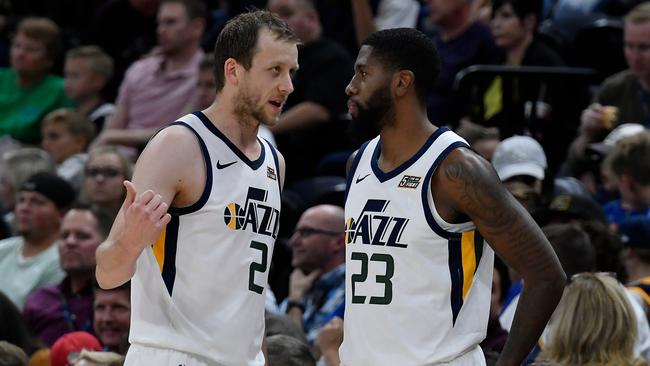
[(477, 192)]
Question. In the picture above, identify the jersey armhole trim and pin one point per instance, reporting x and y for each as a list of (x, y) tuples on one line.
[(353, 169), (426, 187), (178, 211)]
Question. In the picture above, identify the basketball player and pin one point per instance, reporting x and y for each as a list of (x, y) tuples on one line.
[(419, 206), (200, 267)]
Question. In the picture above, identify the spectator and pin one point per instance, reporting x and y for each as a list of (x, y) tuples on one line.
[(58, 309), (162, 85), (206, 83), (317, 284), (623, 97), (635, 235), (572, 247), (275, 324), (349, 22), (27, 90), (461, 42), (630, 163), (328, 342), (592, 170), (284, 350), (514, 25), (496, 336), (520, 163), (104, 173), (17, 166), (87, 71), (13, 328), (66, 135), (311, 125), (593, 325), (31, 261), (11, 355), (570, 202), (483, 140), (389, 14), (74, 342), (112, 317), (90, 358), (577, 254)]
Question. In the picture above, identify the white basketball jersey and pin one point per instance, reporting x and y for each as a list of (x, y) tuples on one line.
[(417, 287), (200, 288)]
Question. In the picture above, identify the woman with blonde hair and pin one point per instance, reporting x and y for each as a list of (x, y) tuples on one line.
[(593, 325)]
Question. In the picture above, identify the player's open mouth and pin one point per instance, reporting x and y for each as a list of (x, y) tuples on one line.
[(276, 104)]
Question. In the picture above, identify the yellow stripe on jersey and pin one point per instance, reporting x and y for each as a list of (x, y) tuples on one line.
[(347, 231), (640, 291), (468, 253), (159, 249), (233, 211)]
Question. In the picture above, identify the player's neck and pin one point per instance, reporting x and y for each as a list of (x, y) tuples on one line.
[(402, 140), (241, 133)]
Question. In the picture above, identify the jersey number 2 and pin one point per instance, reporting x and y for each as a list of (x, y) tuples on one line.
[(257, 267), (385, 278)]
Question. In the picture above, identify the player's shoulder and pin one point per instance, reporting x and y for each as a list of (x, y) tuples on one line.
[(175, 144), (465, 159), (176, 135)]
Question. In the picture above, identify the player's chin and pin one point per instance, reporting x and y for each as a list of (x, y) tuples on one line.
[(270, 121)]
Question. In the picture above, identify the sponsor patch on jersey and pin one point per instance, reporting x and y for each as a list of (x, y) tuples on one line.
[(270, 172), (409, 181)]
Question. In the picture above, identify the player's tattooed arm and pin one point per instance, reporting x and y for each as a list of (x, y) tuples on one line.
[(470, 187)]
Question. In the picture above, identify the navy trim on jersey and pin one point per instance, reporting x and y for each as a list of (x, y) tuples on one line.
[(374, 160), (277, 163), (353, 169), (456, 274), (169, 261), (426, 186), (208, 178), (253, 164)]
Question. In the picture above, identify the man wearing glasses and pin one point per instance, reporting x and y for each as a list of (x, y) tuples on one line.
[(317, 284)]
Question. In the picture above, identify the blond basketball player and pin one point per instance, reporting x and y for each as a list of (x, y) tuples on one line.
[(196, 231), (418, 206)]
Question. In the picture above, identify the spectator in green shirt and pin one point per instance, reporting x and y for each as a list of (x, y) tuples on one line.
[(27, 90)]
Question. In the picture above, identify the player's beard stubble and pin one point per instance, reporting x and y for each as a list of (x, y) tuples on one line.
[(375, 114), (248, 111)]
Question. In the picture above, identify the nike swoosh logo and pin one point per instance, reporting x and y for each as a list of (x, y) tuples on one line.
[(362, 178), (224, 166)]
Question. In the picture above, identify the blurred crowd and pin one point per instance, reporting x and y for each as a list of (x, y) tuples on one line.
[(555, 93)]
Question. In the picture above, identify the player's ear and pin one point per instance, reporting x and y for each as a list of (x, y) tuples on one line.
[(402, 82), (231, 71)]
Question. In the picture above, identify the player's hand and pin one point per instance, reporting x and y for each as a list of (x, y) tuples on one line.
[(591, 120), (299, 283), (145, 216), (330, 336)]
